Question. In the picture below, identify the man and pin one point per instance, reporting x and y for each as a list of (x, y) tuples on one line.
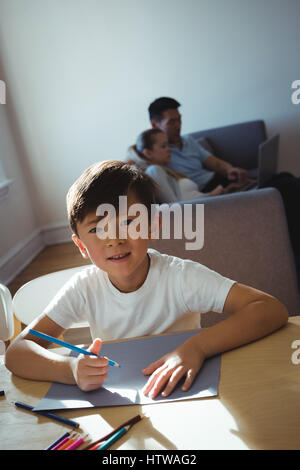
[(187, 156)]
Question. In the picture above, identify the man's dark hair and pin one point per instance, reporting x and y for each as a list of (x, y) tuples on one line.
[(160, 105), (104, 182)]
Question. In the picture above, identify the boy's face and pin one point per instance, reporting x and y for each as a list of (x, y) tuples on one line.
[(123, 258)]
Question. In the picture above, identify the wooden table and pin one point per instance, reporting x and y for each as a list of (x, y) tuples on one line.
[(258, 407)]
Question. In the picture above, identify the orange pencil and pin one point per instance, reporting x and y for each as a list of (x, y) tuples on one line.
[(70, 441), (59, 444)]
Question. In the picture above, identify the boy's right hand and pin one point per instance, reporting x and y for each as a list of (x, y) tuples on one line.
[(90, 372)]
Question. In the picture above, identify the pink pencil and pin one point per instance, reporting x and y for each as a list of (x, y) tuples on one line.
[(61, 443), (76, 443)]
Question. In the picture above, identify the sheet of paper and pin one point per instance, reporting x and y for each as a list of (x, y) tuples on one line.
[(124, 385)]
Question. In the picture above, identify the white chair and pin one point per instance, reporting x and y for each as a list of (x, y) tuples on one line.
[(31, 299), (6, 317)]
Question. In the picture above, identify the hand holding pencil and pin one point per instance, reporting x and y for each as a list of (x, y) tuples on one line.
[(90, 372)]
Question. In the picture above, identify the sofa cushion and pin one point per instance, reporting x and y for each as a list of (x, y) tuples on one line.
[(237, 144), (206, 144)]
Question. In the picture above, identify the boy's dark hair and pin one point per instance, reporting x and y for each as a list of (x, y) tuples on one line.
[(160, 105), (104, 182)]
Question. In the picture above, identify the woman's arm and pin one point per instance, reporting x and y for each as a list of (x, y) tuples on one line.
[(167, 192)]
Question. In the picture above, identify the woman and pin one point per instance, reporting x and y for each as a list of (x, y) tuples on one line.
[(152, 147)]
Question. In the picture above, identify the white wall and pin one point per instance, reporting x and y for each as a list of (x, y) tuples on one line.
[(81, 74), (17, 220)]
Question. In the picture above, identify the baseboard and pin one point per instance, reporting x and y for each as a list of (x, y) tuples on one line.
[(17, 258), (56, 233)]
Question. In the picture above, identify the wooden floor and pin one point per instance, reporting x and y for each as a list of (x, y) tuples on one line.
[(52, 258)]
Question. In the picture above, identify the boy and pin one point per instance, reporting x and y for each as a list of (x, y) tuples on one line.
[(131, 290)]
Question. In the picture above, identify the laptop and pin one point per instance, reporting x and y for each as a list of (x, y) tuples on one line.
[(267, 163)]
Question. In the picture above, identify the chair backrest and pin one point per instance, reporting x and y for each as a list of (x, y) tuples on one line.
[(32, 298), (6, 314), (246, 239)]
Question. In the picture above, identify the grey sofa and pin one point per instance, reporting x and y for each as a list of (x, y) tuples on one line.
[(246, 239), (246, 234), (237, 144)]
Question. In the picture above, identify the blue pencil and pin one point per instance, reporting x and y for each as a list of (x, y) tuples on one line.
[(48, 414), (60, 439), (51, 339)]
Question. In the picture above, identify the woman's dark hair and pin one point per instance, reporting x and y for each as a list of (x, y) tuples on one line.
[(146, 139)]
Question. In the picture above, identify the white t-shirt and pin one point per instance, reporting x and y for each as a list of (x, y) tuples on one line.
[(173, 288)]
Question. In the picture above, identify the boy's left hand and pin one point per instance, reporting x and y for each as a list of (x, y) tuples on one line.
[(168, 370)]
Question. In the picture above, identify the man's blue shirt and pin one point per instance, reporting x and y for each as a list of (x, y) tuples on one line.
[(189, 160)]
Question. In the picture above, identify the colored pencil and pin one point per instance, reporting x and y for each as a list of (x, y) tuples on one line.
[(62, 442), (94, 445), (51, 339), (76, 443), (57, 441), (114, 438), (48, 414), (70, 441)]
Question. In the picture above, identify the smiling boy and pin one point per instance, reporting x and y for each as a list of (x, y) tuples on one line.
[(131, 291), (125, 260)]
